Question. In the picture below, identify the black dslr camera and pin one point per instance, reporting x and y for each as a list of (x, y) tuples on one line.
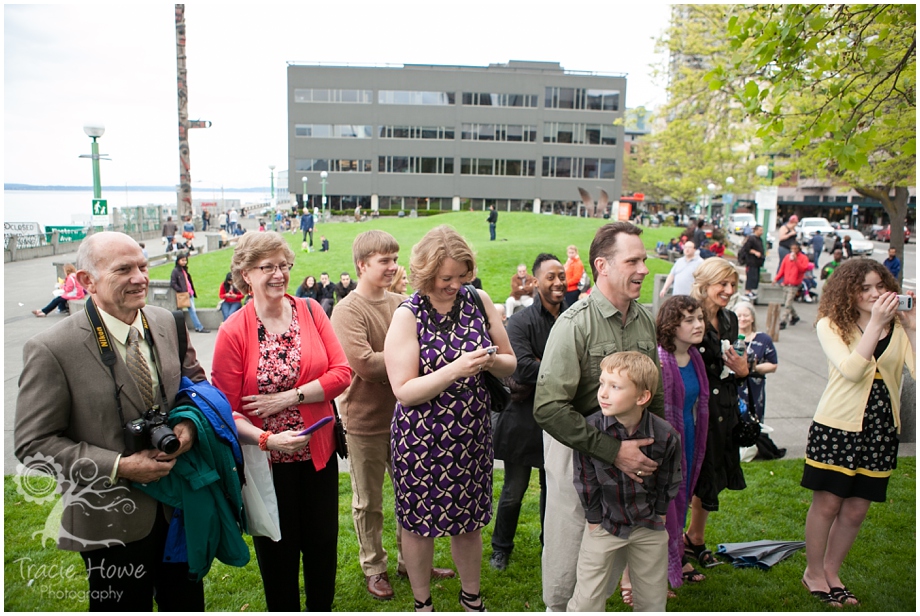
[(151, 430)]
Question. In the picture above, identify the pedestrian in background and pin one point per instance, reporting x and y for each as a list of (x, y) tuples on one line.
[(181, 282), (792, 272), (785, 236), (893, 263), (817, 245), (574, 269), (231, 297), (70, 289), (169, 232), (493, 221), (752, 255), (400, 281)]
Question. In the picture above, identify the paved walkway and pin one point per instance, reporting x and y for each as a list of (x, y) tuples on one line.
[(792, 392)]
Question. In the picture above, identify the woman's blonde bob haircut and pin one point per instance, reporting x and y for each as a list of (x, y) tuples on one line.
[(712, 271), (438, 245), (252, 248)]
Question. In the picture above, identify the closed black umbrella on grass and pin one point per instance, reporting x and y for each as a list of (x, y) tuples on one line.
[(761, 554)]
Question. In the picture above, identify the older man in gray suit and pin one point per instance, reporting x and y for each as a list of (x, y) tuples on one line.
[(70, 418)]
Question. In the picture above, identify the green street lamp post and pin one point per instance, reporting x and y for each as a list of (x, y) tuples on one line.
[(95, 130), (272, 168), (324, 175)]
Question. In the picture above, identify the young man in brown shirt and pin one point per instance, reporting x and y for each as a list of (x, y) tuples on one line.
[(361, 320)]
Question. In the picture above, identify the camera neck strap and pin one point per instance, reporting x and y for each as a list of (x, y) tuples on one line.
[(109, 356)]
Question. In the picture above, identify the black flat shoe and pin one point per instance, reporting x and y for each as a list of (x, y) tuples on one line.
[(823, 597)]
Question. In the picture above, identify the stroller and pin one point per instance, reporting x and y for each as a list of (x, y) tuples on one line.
[(807, 292)]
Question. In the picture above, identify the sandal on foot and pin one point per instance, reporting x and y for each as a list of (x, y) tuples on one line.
[(671, 594), (467, 601), (703, 556), (823, 597), (420, 605), (692, 576), (843, 596), (626, 595)]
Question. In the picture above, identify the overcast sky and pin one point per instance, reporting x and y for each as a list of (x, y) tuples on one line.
[(66, 65)]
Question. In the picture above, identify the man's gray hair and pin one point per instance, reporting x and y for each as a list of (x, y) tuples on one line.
[(87, 257)]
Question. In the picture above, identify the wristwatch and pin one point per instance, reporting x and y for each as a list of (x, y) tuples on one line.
[(299, 395)]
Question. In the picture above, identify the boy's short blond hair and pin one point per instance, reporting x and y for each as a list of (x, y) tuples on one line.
[(639, 368)]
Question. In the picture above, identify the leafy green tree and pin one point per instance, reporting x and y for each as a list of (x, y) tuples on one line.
[(835, 86), (701, 136)]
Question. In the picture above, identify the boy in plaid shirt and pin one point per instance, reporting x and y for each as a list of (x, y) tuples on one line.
[(625, 519)]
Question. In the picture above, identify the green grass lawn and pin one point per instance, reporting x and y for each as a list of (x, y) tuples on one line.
[(880, 569), (521, 237)]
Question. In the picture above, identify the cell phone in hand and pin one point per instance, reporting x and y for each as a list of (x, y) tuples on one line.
[(319, 424), (491, 350), (905, 302)]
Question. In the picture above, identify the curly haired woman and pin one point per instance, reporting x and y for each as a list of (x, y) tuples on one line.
[(853, 441)]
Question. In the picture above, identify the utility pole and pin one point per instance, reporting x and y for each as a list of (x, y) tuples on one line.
[(184, 189)]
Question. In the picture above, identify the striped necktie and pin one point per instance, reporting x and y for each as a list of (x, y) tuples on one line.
[(138, 367)]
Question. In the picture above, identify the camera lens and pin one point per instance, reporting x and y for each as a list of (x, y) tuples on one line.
[(163, 438)]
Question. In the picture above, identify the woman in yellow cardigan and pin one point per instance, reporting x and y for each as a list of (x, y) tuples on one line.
[(853, 441)]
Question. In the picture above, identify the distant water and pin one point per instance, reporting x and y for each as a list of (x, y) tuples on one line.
[(74, 207)]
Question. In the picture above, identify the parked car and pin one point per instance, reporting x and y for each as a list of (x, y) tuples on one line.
[(807, 227), (872, 231), (884, 235), (862, 246), (738, 220)]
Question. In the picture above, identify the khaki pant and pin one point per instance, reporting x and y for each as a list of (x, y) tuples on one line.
[(789, 293), (604, 556), (369, 459), (563, 527)]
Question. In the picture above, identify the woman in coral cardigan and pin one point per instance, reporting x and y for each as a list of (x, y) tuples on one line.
[(853, 442), (280, 366)]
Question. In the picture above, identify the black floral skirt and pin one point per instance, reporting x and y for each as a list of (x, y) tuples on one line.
[(859, 464)]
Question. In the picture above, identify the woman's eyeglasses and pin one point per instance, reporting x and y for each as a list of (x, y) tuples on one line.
[(268, 270)]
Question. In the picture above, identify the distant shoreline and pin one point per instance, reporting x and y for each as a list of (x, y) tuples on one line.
[(10, 186)]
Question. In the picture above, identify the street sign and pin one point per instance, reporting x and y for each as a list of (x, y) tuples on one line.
[(100, 212)]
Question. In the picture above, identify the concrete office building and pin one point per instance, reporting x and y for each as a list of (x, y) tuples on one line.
[(521, 135)]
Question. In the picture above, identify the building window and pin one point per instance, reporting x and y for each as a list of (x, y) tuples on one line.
[(491, 99), (415, 164), (500, 166), (414, 97), (350, 131), (498, 132), (585, 134), (336, 165), (581, 98), (326, 95), (416, 132), (566, 167)]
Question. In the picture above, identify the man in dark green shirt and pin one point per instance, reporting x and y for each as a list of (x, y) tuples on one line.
[(607, 321)]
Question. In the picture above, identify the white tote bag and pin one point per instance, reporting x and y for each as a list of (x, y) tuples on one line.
[(260, 503)]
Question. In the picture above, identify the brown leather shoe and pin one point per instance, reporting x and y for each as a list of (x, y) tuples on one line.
[(436, 573), (379, 586)]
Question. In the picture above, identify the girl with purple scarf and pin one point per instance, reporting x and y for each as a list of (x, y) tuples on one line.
[(680, 327)]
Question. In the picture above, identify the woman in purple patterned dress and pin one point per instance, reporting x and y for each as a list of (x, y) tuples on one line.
[(436, 350)]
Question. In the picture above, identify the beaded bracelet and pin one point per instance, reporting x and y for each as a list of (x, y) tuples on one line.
[(263, 440)]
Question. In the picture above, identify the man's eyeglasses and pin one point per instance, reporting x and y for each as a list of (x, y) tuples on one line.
[(268, 270)]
